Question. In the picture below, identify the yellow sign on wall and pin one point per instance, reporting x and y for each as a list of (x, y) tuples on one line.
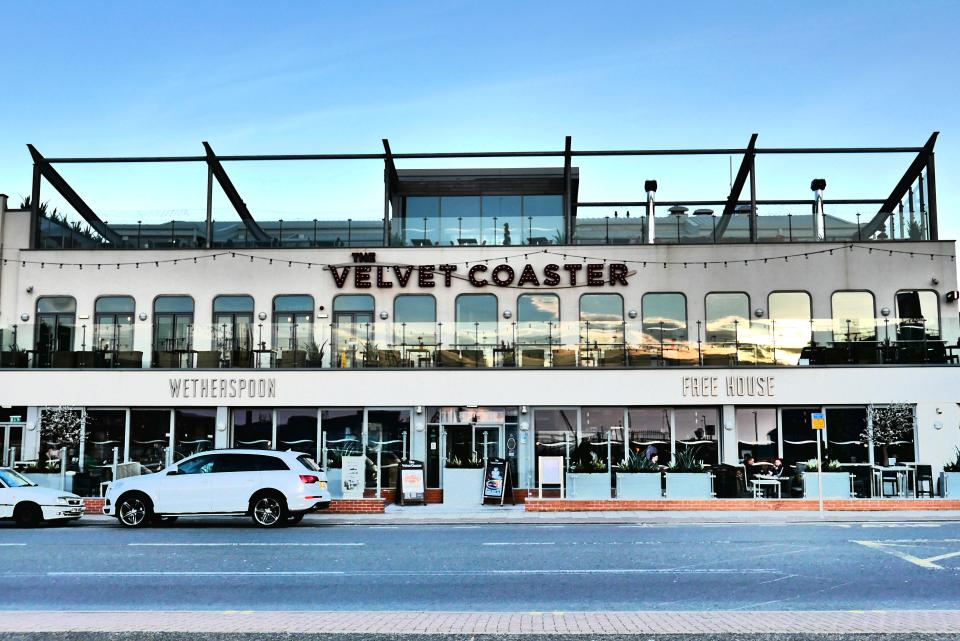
[(818, 420)]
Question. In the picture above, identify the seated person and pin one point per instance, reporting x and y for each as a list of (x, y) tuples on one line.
[(749, 467), (778, 469)]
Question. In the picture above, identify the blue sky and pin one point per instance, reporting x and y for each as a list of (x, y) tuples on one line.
[(153, 79)]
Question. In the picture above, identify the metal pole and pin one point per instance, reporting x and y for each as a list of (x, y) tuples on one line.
[(379, 466), (753, 198), (933, 226), (209, 226), (323, 450), (609, 460), (819, 473), (63, 468)]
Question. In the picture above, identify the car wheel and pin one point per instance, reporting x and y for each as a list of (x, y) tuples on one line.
[(268, 510), (28, 515), (293, 519), (134, 510)]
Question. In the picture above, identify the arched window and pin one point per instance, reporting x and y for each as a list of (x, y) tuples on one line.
[(113, 323), (172, 329), (56, 325), (293, 329), (233, 329)]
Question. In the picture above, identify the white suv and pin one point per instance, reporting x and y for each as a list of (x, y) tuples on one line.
[(274, 488)]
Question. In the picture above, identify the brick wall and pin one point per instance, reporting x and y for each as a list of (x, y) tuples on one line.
[(533, 504), (337, 506)]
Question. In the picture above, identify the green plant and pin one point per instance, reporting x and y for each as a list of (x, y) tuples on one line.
[(592, 465), (954, 465), (637, 464), (888, 425), (472, 463), (829, 465), (686, 460)]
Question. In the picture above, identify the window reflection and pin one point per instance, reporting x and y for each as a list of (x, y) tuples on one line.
[(918, 315), (193, 431), (297, 431), (555, 433), (104, 432), (293, 330), (790, 324), (253, 429), (476, 316), (757, 433), (696, 429), (388, 430), (650, 433), (482, 220), (414, 319), (172, 330), (853, 316), (343, 434), (597, 426), (150, 438)]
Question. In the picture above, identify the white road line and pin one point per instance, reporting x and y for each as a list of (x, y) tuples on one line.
[(889, 547), (11, 545), (465, 527), (383, 527), (228, 544), (400, 573), (519, 543)]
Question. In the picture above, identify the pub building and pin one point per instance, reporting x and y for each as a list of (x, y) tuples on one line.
[(486, 313)]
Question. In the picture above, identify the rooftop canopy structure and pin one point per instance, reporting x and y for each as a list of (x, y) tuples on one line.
[(494, 206)]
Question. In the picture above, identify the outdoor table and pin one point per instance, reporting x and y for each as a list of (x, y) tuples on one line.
[(421, 353), (766, 481), (903, 475), (501, 353)]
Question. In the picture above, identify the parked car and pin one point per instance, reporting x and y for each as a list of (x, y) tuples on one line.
[(273, 488), (29, 504)]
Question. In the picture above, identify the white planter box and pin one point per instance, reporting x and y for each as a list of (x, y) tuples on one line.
[(689, 485), (836, 485), (588, 485), (335, 482), (462, 486), (52, 481), (950, 485), (639, 485)]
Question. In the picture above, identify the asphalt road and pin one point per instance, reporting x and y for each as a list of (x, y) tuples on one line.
[(232, 566)]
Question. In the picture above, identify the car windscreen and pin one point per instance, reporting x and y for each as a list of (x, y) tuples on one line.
[(309, 463), (15, 479)]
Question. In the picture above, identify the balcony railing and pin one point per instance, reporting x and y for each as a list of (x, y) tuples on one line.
[(624, 344)]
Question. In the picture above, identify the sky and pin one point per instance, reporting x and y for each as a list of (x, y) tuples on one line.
[(96, 79)]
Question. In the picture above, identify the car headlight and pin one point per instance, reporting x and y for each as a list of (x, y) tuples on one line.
[(63, 500)]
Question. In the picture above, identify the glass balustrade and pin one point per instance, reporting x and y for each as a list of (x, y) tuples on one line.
[(539, 344)]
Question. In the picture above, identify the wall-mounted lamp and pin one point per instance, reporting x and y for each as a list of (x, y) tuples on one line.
[(507, 313), (523, 409), (885, 312), (29, 289), (758, 313), (24, 317), (262, 316), (934, 281), (384, 315), (632, 313), (419, 409), (143, 316)]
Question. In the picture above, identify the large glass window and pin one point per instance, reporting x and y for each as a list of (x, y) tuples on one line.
[(501, 220), (59, 428), (343, 434), (790, 315), (105, 430), (696, 430), (113, 329), (538, 319), (483, 220), (172, 330), (293, 329), (846, 444), (414, 320), (799, 439), (476, 316), (918, 315), (757, 433), (233, 329), (193, 431), (896, 438), (150, 438), (728, 313), (543, 216), (297, 430), (390, 431), (253, 429), (650, 433), (664, 318), (555, 433), (597, 426), (460, 220), (56, 324), (853, 316), (422, 221), (602, 327)]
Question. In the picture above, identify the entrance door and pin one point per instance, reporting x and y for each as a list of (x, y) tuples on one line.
[(352, 335), (466, 442), (11, 437)]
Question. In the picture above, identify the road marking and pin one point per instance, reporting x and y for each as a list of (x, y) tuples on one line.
[(234, 544), (928, 563), (10, 545), (465, 527), (383, 527), (519, 543), (401, 573), (898, 525)]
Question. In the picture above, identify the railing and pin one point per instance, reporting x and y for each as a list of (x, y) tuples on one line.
[(569, 344)]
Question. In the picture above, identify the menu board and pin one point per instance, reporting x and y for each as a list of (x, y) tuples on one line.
[(352, 476), (410, 483), (496, 480)]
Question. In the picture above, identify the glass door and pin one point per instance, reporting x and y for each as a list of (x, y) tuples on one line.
[(11, 437), (353, 335), (488, 441), (473, 442)]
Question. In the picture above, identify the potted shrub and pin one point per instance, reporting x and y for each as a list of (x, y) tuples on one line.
[(588, 478), (836, 482), (463, 481), (688, 477), (950, 478), (59, 427), (887, 425), (638, 478)]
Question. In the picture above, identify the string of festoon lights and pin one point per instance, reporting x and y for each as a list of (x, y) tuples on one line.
[(254, 258)]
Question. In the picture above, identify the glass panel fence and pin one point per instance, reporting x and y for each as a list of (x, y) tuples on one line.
[(654, 342)]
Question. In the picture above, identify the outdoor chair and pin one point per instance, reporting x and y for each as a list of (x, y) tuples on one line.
[(641, 358), (889, 480), (613, 358), (130, 360), (924, 481), (531, 358), (564, 358), (166, 360), (208, 360), (389, 358), (449, 358)]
